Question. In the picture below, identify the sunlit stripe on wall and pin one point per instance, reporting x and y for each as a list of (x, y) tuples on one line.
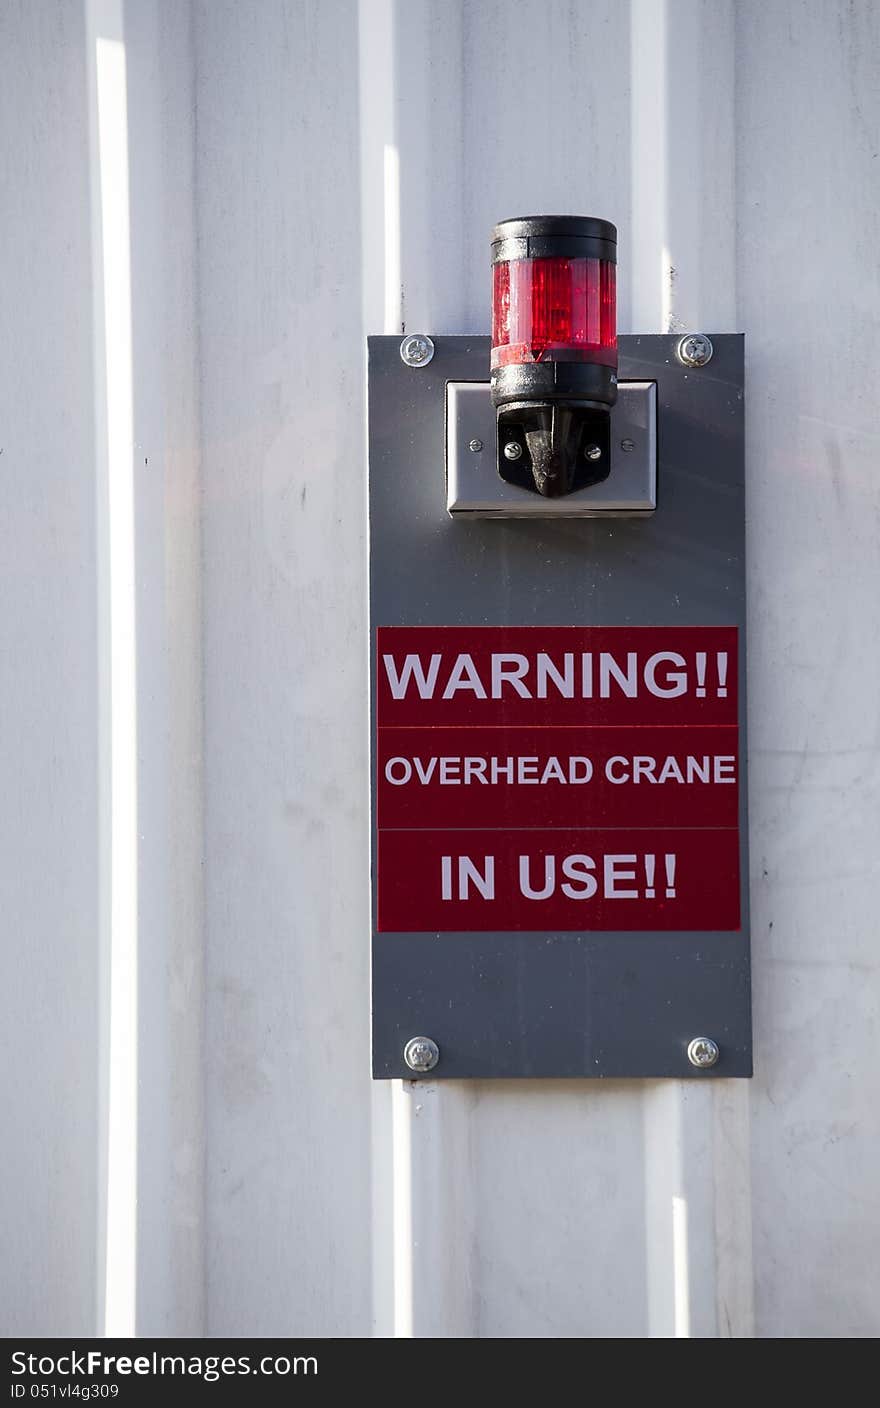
[(115, 517)]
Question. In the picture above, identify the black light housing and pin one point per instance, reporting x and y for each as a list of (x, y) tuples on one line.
[(554, 350)]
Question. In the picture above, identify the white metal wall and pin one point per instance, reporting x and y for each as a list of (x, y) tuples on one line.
[(206, 207)]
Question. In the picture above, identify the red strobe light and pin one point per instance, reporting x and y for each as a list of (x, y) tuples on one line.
[(554, 349), (554, 310)]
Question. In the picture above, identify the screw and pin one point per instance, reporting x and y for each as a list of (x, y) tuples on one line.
[(421, 1053), (512, 451), (416, 351), (703, 1052), (627, 445), (475, 446), (593, 452), (695, 350)]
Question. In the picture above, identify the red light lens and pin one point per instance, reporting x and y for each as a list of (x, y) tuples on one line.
[(554, 310)]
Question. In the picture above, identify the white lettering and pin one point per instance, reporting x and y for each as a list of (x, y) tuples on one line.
[(687, 770), (643, 767), (549, 878), (401, 763), (509, 669), (664, 674), (527, 770), (531, 770), (468, 874), (412, 669), (610, 670), (545, 669), (552, 772), (587, 674), (463, 675), (484, 882), (578, 868), (669, 770), (675, 680), (614, 874)]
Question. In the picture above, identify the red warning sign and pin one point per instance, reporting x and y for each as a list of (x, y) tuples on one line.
[(573, 778)]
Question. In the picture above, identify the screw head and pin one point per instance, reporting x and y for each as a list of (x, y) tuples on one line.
[(475, 446), (627, 445), (695, 350), (703, 1052), (592, 452), (512, 451), (417, 350), (421, 1054)]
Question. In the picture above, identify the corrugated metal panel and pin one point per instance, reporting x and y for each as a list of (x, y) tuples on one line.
[(301, 173)]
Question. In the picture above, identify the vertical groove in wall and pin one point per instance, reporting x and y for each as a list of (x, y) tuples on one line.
[(808, 152), (410, 221), (114, 435), (288, 1181), (51, 864), (380, 282), (173, 71), (697, 1195), (151, 1237)]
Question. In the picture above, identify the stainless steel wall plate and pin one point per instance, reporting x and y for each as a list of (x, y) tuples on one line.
[(475, 489)]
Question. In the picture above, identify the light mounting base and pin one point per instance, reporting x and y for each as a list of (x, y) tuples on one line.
[(627, 462)]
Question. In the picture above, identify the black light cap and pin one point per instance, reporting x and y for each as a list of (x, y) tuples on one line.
[(549, 236)]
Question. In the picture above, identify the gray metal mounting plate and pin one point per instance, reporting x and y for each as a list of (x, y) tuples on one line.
[(474, 489)]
